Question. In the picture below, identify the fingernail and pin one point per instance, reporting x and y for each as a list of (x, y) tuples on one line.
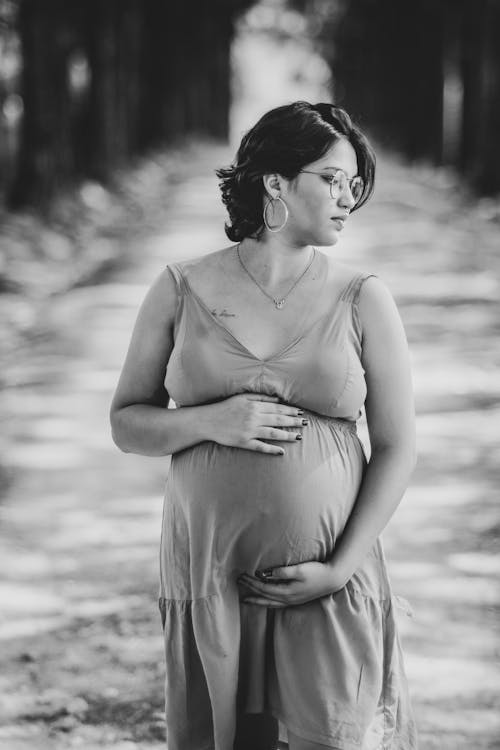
[(264, 573), (299, 413), (305, 421), (298, 437)]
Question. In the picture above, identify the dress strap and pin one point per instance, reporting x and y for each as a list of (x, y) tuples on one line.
[(353, 289), (180, 282), (351, 296)]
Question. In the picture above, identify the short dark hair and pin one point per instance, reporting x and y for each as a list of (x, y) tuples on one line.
[(284, 140)]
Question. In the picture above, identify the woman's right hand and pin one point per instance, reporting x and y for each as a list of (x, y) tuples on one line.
[(247, 419)]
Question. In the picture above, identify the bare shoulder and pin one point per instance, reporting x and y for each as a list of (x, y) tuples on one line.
[(374, 295), (378, 313), (160, 304), (342, 274), (203, 272), (376, 306), (163, 293), (208, 269), (208, 261)]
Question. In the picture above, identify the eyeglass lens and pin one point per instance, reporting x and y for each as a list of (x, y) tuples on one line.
[(339, 182)]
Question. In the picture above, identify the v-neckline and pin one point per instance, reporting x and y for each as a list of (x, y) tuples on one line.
[(281, 352)]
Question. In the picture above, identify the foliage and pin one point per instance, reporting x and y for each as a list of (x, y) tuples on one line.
[(423, 75), (117, 78)]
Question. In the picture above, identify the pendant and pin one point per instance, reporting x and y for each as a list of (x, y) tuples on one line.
[(279, 303)]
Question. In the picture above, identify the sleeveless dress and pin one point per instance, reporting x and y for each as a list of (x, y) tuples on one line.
[(330, 670)]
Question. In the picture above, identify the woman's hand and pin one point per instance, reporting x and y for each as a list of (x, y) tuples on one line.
[(293, 584), (247, 419)]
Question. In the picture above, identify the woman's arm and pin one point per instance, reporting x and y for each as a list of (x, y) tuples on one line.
[(140, 421), (391, 425), (142, 424)]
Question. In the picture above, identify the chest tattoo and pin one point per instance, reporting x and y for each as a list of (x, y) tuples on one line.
[(223, 313)]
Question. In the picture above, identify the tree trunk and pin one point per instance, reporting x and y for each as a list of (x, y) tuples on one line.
[(480, 152), (46, 156), (387, 66), (156, 71)]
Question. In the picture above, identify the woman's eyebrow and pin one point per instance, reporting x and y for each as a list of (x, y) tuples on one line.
[(342, 170)]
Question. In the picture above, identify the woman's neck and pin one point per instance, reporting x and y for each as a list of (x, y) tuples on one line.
[(272, 262)]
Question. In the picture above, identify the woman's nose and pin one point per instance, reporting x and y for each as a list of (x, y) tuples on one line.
[(346, 199)]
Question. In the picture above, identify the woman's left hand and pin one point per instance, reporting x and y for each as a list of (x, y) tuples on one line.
[(293, 584)]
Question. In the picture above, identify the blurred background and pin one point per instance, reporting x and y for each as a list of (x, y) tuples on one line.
[(114, 116)]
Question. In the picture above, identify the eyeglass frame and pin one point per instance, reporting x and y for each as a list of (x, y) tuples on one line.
[(333, 174)]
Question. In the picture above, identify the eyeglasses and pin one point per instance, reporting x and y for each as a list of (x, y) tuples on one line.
[(338, 181)]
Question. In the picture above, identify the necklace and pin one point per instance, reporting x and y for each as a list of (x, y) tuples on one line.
[(278, 302)]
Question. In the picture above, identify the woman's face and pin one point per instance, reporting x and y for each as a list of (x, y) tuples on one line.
[(315, 218)]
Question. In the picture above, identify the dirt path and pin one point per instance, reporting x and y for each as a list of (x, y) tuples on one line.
[(82, 662)]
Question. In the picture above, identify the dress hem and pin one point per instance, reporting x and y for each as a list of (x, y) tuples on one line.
[(314, 736)]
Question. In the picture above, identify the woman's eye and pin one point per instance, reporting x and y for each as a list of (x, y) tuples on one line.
[(332, 179)]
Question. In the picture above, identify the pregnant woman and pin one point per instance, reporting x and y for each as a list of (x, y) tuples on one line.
[(275, 599)]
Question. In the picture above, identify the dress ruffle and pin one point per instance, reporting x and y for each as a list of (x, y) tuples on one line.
[(271, 661)]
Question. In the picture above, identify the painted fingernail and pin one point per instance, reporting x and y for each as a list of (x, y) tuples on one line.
[(265, 573), (305, 421), (298, 437), (261, 574), (299, 413)]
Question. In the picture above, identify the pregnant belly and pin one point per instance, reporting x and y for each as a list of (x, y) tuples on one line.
[(230, 509)]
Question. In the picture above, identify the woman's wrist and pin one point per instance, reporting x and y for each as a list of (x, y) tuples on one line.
[(205, 421), (338, 574)]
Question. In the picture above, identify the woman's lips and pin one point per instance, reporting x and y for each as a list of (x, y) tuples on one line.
[(339, 223)]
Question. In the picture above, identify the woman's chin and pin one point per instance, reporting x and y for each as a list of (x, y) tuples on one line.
[(326, 239), (332, 238)]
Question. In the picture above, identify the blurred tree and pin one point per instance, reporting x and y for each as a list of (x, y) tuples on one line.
[(10, 101), (423, 75), (46, 156), (480, 59), (106, 79), (386, 60), (188, 55), (114, 37)]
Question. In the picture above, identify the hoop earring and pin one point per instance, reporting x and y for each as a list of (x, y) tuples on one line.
[(270, 229)]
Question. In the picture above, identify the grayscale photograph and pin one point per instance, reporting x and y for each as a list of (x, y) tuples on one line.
[(250, 381)]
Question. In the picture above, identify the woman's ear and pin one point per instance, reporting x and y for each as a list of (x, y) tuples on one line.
[(271, 185)]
